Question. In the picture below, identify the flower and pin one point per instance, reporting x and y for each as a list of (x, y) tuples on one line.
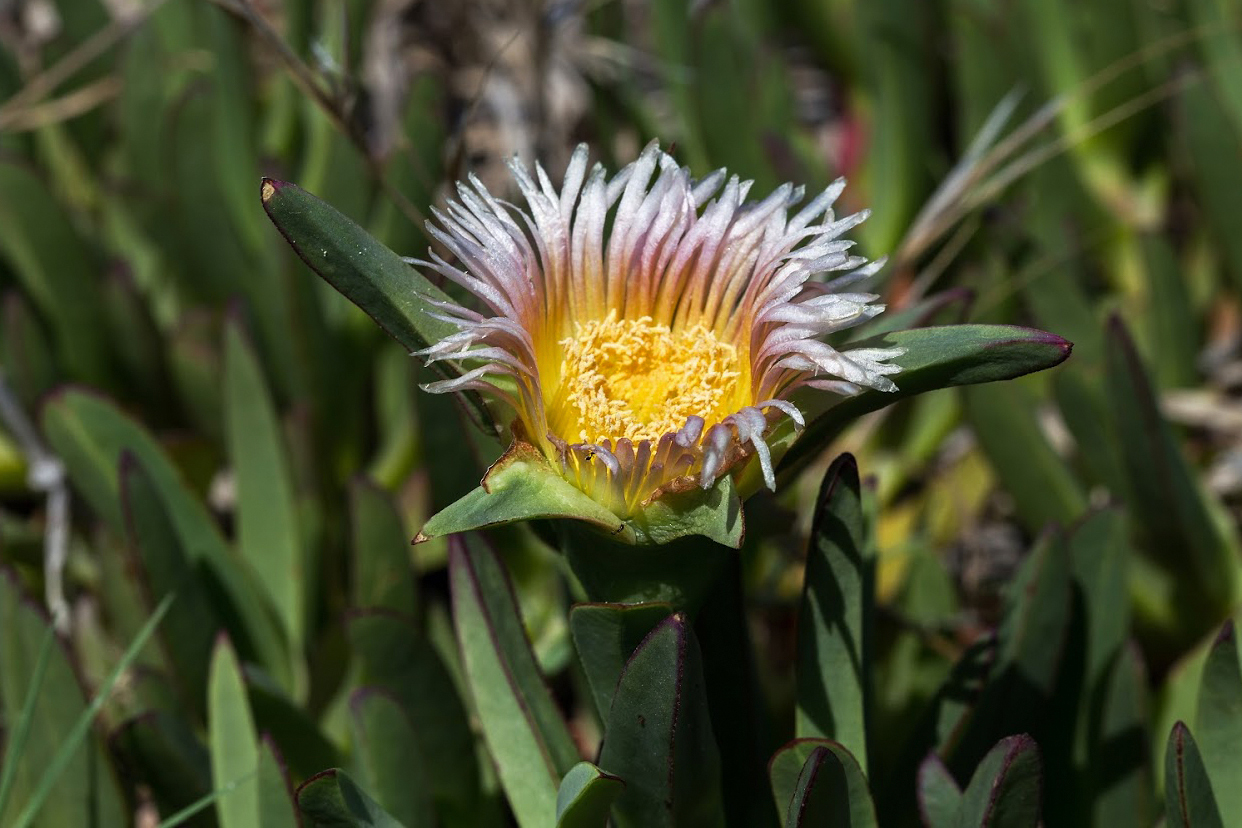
[(648, 330)]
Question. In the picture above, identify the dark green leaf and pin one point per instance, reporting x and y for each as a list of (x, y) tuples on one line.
[(168, 756), (89, 434), (373, 277), (1044, 489), (681, 573), (940, 799), (1219, 723), (276, 808), (383, 578), (1188, 798), (25, 351), (191, 626), (659, 735), (835, 617), (44, 251), (944, 307), (1005, 789), (1212, 142), (394, 657), (785, 768), (1119, 753), (292, 727), (935, 358), (1028, 654), (86, 792), (831, 790), (387, 758), (605, 636), (1099, 555), (1175, 522), (333, 800), (585, 797), (522, 726)]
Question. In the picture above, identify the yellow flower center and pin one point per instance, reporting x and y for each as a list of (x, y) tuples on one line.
[(632, 378)]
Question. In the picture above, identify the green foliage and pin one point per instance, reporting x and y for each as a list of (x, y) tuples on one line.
[(206, 309)]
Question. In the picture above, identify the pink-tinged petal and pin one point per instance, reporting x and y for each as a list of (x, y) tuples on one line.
[(613, 275)]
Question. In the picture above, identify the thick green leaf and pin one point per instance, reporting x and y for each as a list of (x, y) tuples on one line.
[(388, 761), (394, 657), (940, 798), (268, 526), (1028, 654), (333, 800), (140, 351), (1118, 762), (1219, 723), (167, 756), (1188, 798), (189, 630), (1174, 521), (232, 741), (276, 808), (934, 358), (524, 731), (373, 277), (1212, 142), (586, 796), (89, 435), (47, 717), (1216, 21), (1043, 487), (1099, 551), (899, 92), (383, 578), (785, 768), (659, 735), (834, 635), (1169, 327), (43, 250), (949, 306), (292, 727), (25, 352), (1005, 789), (831, 790), (735, 695), (605, 636)]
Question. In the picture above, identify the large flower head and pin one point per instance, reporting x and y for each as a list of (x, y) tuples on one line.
[(648, 329)]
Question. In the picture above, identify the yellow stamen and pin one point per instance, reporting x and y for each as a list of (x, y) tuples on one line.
[(632, 378)]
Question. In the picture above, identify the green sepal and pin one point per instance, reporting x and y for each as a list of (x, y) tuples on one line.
[(523, 485)]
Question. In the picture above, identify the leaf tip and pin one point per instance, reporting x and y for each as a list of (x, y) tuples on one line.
[(268, 189)]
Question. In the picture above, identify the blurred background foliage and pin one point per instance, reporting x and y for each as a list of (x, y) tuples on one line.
[(1075, 166)]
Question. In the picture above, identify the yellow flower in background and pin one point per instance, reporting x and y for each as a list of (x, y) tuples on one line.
[(648, 329)]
